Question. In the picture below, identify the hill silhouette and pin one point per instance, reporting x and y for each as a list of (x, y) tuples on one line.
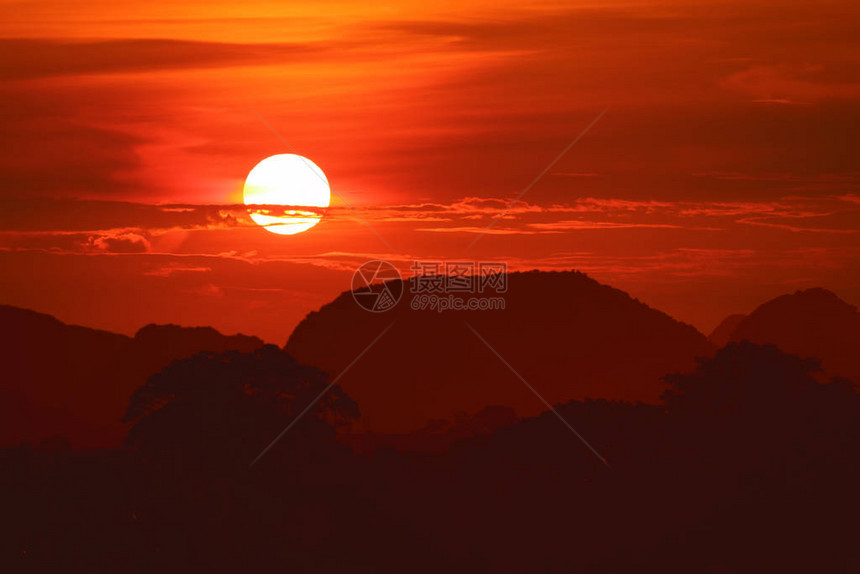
[(568, 335), (75, 382), (722, 334), (810, 323)]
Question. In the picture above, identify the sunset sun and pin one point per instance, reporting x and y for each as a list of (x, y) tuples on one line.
[(286, 194)]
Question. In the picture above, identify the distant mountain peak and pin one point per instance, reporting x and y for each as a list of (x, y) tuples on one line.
[(818, 296), (722, 334), (817, 292), (815, 306), (163, 328), (811, 322), (75, 381), (567, 334), (175, 339)]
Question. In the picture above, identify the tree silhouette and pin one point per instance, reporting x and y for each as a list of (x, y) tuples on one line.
[(221, 410), (755, 396), (764, 454)]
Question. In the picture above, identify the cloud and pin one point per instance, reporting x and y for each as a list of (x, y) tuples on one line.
[(120, 243), (577, 224), (37, 58), (777, 224), (168, 270), (127, 227), (484, 230), (55, 142), (781, 101), (790, 84)]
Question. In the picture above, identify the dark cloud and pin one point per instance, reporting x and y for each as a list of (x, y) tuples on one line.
[(31, 58), (53, 144)]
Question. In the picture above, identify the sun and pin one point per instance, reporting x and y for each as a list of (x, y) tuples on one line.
[(286, 194)]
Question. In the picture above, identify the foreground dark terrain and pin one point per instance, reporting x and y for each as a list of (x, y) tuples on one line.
[(747, 461)]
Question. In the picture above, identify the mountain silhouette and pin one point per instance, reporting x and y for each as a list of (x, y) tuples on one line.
[(810, 323), (75, 382), (569, 336), (722, 334)]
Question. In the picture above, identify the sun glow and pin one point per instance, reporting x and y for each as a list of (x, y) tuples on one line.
[(286, 194)]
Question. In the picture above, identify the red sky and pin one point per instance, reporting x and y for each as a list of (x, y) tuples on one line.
[(723, 173)]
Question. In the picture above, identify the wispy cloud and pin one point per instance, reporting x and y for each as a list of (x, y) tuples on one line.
[(172, 269), (26, 58), (136, 227)]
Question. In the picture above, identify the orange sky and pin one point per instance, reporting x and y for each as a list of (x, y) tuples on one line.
[(724, 172)]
